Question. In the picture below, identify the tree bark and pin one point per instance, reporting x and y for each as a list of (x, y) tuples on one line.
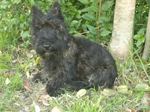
[(146, 52), (122, 34)]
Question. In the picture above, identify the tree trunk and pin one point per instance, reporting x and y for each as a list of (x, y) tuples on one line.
[(121, 42), (146, 52)]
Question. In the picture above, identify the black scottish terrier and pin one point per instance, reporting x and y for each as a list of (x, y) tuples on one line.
[(76, 62)]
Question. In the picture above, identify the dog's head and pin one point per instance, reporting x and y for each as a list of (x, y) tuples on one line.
[(49, 33)]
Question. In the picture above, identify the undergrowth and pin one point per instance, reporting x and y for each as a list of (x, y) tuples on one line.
[(16, 62)]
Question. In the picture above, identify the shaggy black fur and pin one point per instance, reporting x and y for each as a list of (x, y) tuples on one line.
[(77, 62)]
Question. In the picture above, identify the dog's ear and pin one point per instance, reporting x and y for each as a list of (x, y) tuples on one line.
[(56, 11), (37, 17)]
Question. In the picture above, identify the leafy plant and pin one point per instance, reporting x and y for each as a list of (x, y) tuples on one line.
[(139, 40), (140, 22), (93, 19)]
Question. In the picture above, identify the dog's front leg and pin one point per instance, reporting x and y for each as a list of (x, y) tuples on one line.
[(55, 84)]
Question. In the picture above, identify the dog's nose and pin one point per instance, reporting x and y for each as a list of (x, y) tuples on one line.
[(46, 47)]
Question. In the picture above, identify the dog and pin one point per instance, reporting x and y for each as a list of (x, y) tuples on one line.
[(68, 60)]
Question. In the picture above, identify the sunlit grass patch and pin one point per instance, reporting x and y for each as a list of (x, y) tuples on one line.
[(94, 101), (133, 71), (9, 84), (130, 74), (10, 80)]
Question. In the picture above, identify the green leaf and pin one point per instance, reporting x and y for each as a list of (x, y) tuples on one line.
[(89, 16), (25, 34), (148, 1), (91, 29), (74, 23), (105, 33), (90, 9), (32, 2), (15, 1), (107, 5), (142, 31), (104, 19), (139, 37), (85, 2)]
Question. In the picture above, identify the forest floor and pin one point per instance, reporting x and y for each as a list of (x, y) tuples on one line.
[(18, 93)]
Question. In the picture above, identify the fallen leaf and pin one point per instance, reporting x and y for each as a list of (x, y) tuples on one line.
[(27, 85), (7, 81), (36, 107), (108, 92), (28, 74), (17, 104), (81, 93), (56, 109), (0, 53), (131, 110), (14, 61), (33, 52), (123, 89), (29, 55), (44, 99)]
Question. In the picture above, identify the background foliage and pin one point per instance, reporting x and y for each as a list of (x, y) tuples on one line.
[(91, 18), (84, 17)]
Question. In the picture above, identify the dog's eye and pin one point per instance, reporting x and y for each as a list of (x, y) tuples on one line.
[(46, 45)]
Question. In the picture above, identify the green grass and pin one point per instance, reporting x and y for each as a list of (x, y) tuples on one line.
[(7, 91), (97, 102), (131, 73), (8, 71)]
